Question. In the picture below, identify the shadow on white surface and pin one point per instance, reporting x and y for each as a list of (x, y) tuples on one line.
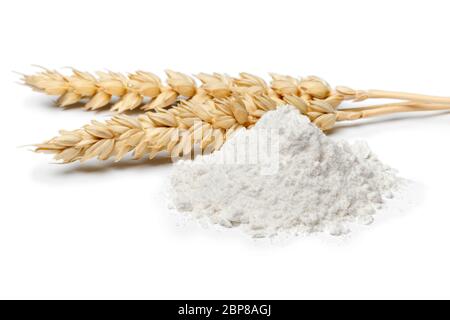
[(52, 171)]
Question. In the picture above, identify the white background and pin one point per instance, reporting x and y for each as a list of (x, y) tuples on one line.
[(103, 231)]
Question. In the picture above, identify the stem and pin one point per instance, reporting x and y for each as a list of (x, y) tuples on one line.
[(396, 109), (357, 109), (407, 96), (372, 111)]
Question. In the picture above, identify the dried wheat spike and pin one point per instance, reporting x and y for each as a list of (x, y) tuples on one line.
[(133, 89), (140, 89), (145, 90), (208, 123), (217, 108)]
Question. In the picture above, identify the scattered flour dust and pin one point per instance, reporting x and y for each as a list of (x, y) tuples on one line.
[(297, 180)]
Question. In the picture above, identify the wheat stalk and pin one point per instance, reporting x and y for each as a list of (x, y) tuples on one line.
[(361, 95), (207, 115), (208, 123), (145, 90)]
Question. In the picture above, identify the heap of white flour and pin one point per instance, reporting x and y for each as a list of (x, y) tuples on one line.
[(299, 181)]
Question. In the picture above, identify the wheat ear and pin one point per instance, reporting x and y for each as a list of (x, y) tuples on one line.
[(207, 123), (140, 89), (133, 89), (146, 91), (174, 130)]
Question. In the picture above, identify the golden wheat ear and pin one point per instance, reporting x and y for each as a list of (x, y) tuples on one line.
[(217, 108), (175, 131), (205, 122), (141, 89), (145, 91)]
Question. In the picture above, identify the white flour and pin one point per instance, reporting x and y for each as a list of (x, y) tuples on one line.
[(305, 183)]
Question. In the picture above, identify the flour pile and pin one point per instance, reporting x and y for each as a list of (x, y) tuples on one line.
[(301, 181)]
